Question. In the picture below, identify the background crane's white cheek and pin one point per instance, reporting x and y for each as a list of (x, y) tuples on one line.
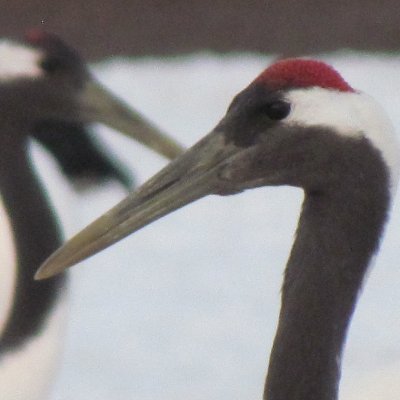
[(19, 61)]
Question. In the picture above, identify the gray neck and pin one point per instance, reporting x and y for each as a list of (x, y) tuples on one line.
[(36, 235), (338, 233)]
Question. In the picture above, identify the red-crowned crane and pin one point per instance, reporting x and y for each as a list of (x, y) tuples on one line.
[(46, 92), (300, 124)]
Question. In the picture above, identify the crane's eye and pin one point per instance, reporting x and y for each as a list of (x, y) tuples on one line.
[(277, 110), (52, 64)]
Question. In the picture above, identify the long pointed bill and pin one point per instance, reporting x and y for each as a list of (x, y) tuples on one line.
[(193, 175), (99, 105)]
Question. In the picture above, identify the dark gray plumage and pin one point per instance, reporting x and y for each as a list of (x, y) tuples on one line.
[(81, 158)]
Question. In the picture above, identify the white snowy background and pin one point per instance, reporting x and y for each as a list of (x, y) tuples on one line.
[(187, 307)]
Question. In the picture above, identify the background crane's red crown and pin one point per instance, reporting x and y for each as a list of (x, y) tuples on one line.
[(301, 73), (36, 35)]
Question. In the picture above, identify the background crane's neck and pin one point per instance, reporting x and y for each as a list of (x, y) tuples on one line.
[(338, 232), (36, 235)]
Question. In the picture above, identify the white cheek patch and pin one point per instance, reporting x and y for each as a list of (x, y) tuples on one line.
[(349, 114), (19, 61)]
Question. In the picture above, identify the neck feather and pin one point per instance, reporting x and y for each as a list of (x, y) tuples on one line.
[(36, 235), (338, 233)]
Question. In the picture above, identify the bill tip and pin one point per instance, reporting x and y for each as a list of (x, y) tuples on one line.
[(48, 269), (44, 272), (40, 274)]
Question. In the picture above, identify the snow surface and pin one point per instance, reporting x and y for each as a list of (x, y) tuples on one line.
[(187, 307)]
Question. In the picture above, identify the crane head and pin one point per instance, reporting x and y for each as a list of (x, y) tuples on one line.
[(298, 123)]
